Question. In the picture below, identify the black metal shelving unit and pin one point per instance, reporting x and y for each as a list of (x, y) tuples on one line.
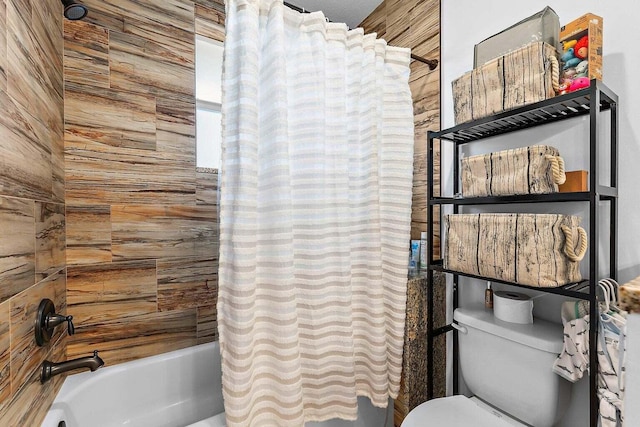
[(592, 101)]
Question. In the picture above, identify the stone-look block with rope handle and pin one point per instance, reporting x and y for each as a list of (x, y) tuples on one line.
[(541, 250), (537, 169), (524, 76)]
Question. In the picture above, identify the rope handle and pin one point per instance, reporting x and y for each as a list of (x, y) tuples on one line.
[(555, 73), (569, 246), (557, 168)]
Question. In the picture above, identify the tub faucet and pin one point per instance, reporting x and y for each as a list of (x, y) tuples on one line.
[(51, 369)]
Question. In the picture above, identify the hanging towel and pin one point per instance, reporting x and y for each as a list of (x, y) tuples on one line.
[(574, 361)]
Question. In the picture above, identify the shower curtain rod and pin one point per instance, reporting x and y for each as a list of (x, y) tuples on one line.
[(432, 63)]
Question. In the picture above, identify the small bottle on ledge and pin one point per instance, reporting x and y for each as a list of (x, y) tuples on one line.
[(488, 296)]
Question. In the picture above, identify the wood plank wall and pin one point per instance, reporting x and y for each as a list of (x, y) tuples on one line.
[(32, 211), (142, 235)]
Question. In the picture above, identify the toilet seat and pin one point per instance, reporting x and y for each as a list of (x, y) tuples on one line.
[(454, 411)]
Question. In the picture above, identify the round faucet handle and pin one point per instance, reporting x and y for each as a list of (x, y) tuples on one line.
[(70, 328)]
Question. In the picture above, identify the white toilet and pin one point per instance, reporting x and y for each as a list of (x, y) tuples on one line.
[(508, 369)]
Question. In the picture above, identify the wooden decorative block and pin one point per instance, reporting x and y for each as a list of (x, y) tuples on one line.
[(576, 181)]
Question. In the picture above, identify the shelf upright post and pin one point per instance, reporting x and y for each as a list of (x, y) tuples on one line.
[(613, 233), (594, 110), (430, 272)]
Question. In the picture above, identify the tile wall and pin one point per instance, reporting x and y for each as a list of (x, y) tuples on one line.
[(32, 210), (142, 235)]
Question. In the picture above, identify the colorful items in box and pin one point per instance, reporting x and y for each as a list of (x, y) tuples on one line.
[(575, 67)]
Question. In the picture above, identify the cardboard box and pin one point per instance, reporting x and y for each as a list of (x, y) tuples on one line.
[(589, 26), (542, 26), (576, 181)]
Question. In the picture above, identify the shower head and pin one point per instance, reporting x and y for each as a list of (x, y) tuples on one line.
[(73, 10)]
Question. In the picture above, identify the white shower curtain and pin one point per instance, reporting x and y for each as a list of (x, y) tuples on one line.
[(315, 216)]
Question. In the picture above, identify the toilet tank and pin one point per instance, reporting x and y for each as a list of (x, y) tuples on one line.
[(509, 365)]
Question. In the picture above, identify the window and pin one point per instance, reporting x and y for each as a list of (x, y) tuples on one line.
[(208, 102)]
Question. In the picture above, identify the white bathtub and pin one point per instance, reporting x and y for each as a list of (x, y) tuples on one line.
[(176, 389)]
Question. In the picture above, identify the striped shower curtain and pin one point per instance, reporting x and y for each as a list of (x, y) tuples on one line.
[(315, 216)]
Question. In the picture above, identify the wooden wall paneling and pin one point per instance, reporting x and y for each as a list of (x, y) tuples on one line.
[(3, 46), (210, 21), (207, 190), (5, 354), (159, 231), (207, 327), (175, 133), (398, 27), (86, 54), (149, 19), (26, 356), (144, 66), (101, 293), (32, 244), (127, 339), (88, 234), (17, 247), (187, 283), (30, 405), (97, 174), (25, 164), (50, 239), (116, 118), (28, 76)]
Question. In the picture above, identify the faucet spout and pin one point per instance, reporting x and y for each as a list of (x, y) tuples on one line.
[(51, 369)]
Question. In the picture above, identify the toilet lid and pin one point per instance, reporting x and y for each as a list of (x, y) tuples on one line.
[(454, 411)]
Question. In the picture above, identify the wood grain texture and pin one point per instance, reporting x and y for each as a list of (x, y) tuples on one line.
[(529, 249), (3, 46), (86, 54), (111, 292), (133, 338), (25, 163), (133, 196), (98, 174), (210, 22), (207, 327), (163, 22), (175, 133), (525, 170), (187, 283), (5, 354), (31, 200), (515, 79), (26, 356), (33, 72), (142, 65), (207, 189), (88, 234), (50, 239), (17, 247), (111, 117), (158, 231), (30, 405)]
